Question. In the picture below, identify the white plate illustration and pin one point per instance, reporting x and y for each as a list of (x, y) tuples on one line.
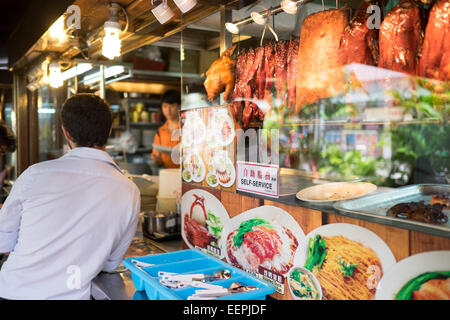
[(220, 129), (409, 268), (201, 228), (187, 175), (267, 227), (198, 129), (212, 180), (196, 165), (224, 169), (360, 235)]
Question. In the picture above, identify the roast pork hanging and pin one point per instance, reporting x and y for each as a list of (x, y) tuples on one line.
[(435, 60), (319, 64), (359, 44), (401, 38)]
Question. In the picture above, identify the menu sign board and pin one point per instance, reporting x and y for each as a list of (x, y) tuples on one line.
[(258, 178)]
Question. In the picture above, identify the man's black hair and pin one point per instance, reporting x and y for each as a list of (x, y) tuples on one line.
[(87, 119), (171, 96), (7, 137)]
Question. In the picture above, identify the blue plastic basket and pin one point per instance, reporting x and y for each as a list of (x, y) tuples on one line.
[(188, 262)]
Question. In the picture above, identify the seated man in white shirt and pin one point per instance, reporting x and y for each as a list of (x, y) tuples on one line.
[(68, 219)]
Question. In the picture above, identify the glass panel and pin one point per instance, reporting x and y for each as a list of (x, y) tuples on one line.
[(48, 148), (331, 118)]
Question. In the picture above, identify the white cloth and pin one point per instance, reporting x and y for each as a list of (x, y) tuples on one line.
[(65, 221)]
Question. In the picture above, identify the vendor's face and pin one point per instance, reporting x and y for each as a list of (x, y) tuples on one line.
[(170, 110)]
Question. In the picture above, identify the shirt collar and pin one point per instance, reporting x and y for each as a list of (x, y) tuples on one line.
[(165, 126), (91, 153)]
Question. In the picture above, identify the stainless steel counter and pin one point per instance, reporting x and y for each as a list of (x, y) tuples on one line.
[(119, 285)]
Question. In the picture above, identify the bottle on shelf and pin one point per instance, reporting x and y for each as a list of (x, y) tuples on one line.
[(136, 114), (145, 115)]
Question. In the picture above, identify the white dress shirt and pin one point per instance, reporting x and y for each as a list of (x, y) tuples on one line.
[(65, 221)]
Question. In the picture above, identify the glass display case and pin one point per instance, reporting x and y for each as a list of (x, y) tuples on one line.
[(331, 111), (336, 117)]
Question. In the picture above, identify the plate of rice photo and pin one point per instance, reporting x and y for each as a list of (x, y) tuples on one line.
[(267, 237)]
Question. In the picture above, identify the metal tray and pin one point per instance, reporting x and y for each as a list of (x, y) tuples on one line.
[(378, 204)]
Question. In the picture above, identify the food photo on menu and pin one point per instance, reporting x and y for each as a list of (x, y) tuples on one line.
[(203, 220), (346, 260), (263, 238)]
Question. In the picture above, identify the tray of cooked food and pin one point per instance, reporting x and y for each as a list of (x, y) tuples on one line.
[(335, 191), (416, 204)]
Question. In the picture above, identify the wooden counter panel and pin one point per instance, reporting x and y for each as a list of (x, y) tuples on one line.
[(248, 203), (231, 202), (236, 204), (307, 219), (397, 239), (421, 242)]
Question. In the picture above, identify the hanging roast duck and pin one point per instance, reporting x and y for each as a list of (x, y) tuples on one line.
[(220, 76)]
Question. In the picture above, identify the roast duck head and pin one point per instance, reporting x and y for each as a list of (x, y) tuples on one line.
[(220, 76), (196, 231)]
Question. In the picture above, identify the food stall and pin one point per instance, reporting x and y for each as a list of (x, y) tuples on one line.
[(316, 156), (314, 146)]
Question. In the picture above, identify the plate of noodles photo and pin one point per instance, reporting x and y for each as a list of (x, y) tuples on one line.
[(336, 191), (347, 260), (423, 276)]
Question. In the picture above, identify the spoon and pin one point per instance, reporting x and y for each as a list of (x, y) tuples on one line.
[(218, 275), (240, 287), (235, 287)]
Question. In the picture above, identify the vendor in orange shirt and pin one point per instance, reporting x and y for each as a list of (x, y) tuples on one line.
[(171, 102)]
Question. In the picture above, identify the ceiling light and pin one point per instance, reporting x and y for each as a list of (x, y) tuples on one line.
[(289, 6), (262, 17), (258, 18), (185, 5), (162, 12), (57, 31), (55, 78), (111, 42), (231, 27)]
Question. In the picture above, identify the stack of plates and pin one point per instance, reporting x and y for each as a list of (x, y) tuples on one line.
[(148, 203), (148, 190)]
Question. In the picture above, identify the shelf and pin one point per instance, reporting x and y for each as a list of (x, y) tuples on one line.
[(160, 75), (144, 150), (145, 125), (146, 100)]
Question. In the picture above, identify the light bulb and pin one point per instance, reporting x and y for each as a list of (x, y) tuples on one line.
[(56, 31), (185, 5), (55, 77), (289, 6), (231, 27), (111, 42)]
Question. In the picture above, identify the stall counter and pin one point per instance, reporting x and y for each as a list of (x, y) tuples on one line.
[(119, 285)]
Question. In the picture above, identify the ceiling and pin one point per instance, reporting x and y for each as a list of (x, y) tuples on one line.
[(10, 16)]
